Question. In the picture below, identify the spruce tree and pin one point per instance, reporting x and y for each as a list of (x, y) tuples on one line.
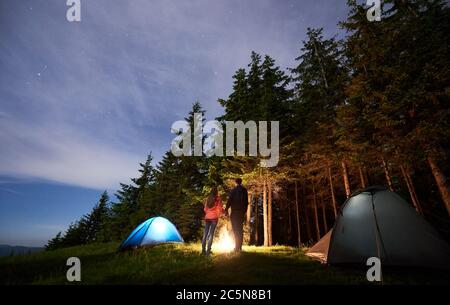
[(97, 219)]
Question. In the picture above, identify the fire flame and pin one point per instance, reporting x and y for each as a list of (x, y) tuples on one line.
[(225, 242)]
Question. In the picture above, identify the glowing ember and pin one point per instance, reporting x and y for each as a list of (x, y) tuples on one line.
[(225, 242)]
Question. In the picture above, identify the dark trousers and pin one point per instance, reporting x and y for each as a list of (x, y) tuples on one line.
[(237, 223), (208, 235)]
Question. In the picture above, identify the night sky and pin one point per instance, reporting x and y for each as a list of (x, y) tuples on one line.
[(82, 103)]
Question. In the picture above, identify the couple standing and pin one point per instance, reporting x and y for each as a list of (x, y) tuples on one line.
[(238, 202)]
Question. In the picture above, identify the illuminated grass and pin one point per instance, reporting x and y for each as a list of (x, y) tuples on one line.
[(183, 264)]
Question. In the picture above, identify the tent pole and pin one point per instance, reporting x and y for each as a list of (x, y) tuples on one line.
[(378, 236)]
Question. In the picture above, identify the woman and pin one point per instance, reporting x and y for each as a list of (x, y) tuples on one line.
[(213, 209)]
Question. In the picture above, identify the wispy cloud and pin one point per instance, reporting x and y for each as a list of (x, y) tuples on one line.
[(4, 189), (82, 103), (48, 227), (63, 156)]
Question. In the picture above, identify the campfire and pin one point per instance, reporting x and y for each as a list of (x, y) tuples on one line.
[(225, 242)]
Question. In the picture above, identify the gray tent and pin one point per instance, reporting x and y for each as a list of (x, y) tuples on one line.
[(376, 222)]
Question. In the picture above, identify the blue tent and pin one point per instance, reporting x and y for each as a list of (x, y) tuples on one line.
[(153, 231)]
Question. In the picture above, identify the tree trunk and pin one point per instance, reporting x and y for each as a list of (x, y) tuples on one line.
[(322, 70), (256, 222), (333, 197), (408, 176), (316, 214), (411, 189), (387, 174), (305, 204), (269, 213), (346, 181), (362, 178), (367, 176), (288, 202), (266, 237), (297, 208), (249, 209), (442, 183), (249, 216), (324, 213)]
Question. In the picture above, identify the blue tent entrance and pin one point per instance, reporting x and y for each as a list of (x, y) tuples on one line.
[(153, 231)]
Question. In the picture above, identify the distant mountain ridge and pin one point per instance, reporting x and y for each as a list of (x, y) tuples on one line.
[(6, 250)]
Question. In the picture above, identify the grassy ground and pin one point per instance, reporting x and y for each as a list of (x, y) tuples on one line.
[(182, 264)]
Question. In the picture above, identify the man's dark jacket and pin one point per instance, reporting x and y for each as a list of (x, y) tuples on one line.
[(238, 200)]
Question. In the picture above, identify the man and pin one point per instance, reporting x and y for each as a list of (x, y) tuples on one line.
[(238, 201)]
